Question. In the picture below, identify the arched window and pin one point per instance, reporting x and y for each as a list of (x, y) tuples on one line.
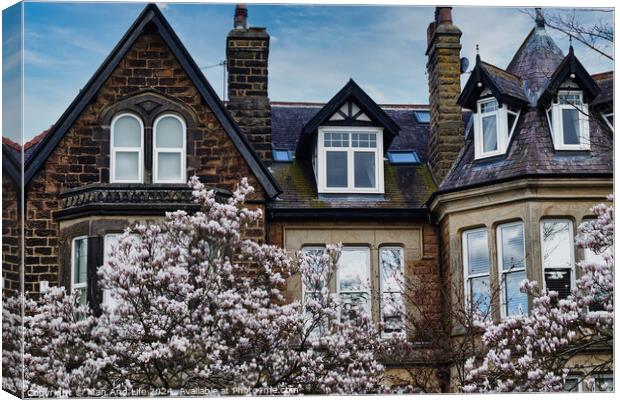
[(169, 149), (126, 149)]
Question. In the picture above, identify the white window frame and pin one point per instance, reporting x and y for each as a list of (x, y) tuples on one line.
[(606, 117), (369, 290), (304, 249), (602, 376), (173, 150), (381, 291), (84, 285), (503, 134), (322, 164), (557, 128), (466, 275), (572, 253), (114, 150), (107, 298), (500, 266)]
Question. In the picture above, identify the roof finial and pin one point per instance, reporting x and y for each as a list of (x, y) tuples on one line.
[(477, 49), (540, 19)]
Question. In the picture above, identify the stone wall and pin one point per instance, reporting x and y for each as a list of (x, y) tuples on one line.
[(82, 156), (11, 236), (247, 53)]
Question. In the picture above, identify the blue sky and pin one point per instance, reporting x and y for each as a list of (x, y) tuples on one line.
[(314, 49)]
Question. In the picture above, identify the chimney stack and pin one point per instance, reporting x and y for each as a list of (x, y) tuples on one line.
[(247, 53), (444, 81)]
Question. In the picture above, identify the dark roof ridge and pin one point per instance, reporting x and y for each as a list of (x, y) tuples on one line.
[(501, 69), (603, 75)]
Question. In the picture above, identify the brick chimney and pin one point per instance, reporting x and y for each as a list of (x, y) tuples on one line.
[(444, 82), (247, 52)]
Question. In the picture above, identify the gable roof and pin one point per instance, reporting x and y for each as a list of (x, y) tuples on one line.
[(506, 87), (570, 68), (350, 92), (152, 16)]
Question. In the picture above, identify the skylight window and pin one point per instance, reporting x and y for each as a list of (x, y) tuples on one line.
[(282, 155), (422, 116), (403, 157)]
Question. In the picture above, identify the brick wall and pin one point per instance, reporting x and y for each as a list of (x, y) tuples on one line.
[(11, 234), (82, 156), (247, 53), (444, 82)]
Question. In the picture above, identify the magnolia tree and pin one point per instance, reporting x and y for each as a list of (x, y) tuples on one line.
[(196, 307), (532, 352)]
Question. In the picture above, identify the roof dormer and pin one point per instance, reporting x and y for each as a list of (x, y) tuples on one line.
[(345, 141)]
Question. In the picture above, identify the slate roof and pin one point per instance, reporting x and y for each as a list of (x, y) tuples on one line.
[(605, 82), (507, 82), (531, 151), (406, 186), (536, 60)]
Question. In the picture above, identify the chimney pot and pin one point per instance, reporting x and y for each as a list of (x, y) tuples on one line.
[(241, 17), (444, 15)]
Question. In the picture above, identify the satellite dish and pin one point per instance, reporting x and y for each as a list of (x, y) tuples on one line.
[(464, 64)]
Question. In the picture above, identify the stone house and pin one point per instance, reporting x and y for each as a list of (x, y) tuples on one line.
[(459, 194)]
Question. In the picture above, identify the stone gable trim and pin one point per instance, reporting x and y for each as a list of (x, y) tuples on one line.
[(151, 16)]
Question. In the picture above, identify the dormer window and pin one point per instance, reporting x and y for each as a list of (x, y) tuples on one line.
[(350, 160), (569, 121), (493, 127)]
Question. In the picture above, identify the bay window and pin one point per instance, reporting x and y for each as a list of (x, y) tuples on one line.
[(476, 269), (126, 149), (558, 255), (569, 121), (79, 259), (350, 160), (392, 282), (353, 282), (493, 127), (511, 261), (169, 149)]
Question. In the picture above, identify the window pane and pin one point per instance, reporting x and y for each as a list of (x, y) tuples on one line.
[(336, 139), (516, 301), (127, 166), (489, 106), (604, 384), (558, 280), (109, 241), (512, 118), (352, 303), (489, 133), (127, 132), (169, 166), (363, 140), (570, 122), (569, 98), (391, 270), (480, 289), (317, 272), (364, 170), (557, 244), (392, 310), (513, 247), (79, 261), (354, 269), (477, 252), (571, 384), (169, 132), (336, 167)]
